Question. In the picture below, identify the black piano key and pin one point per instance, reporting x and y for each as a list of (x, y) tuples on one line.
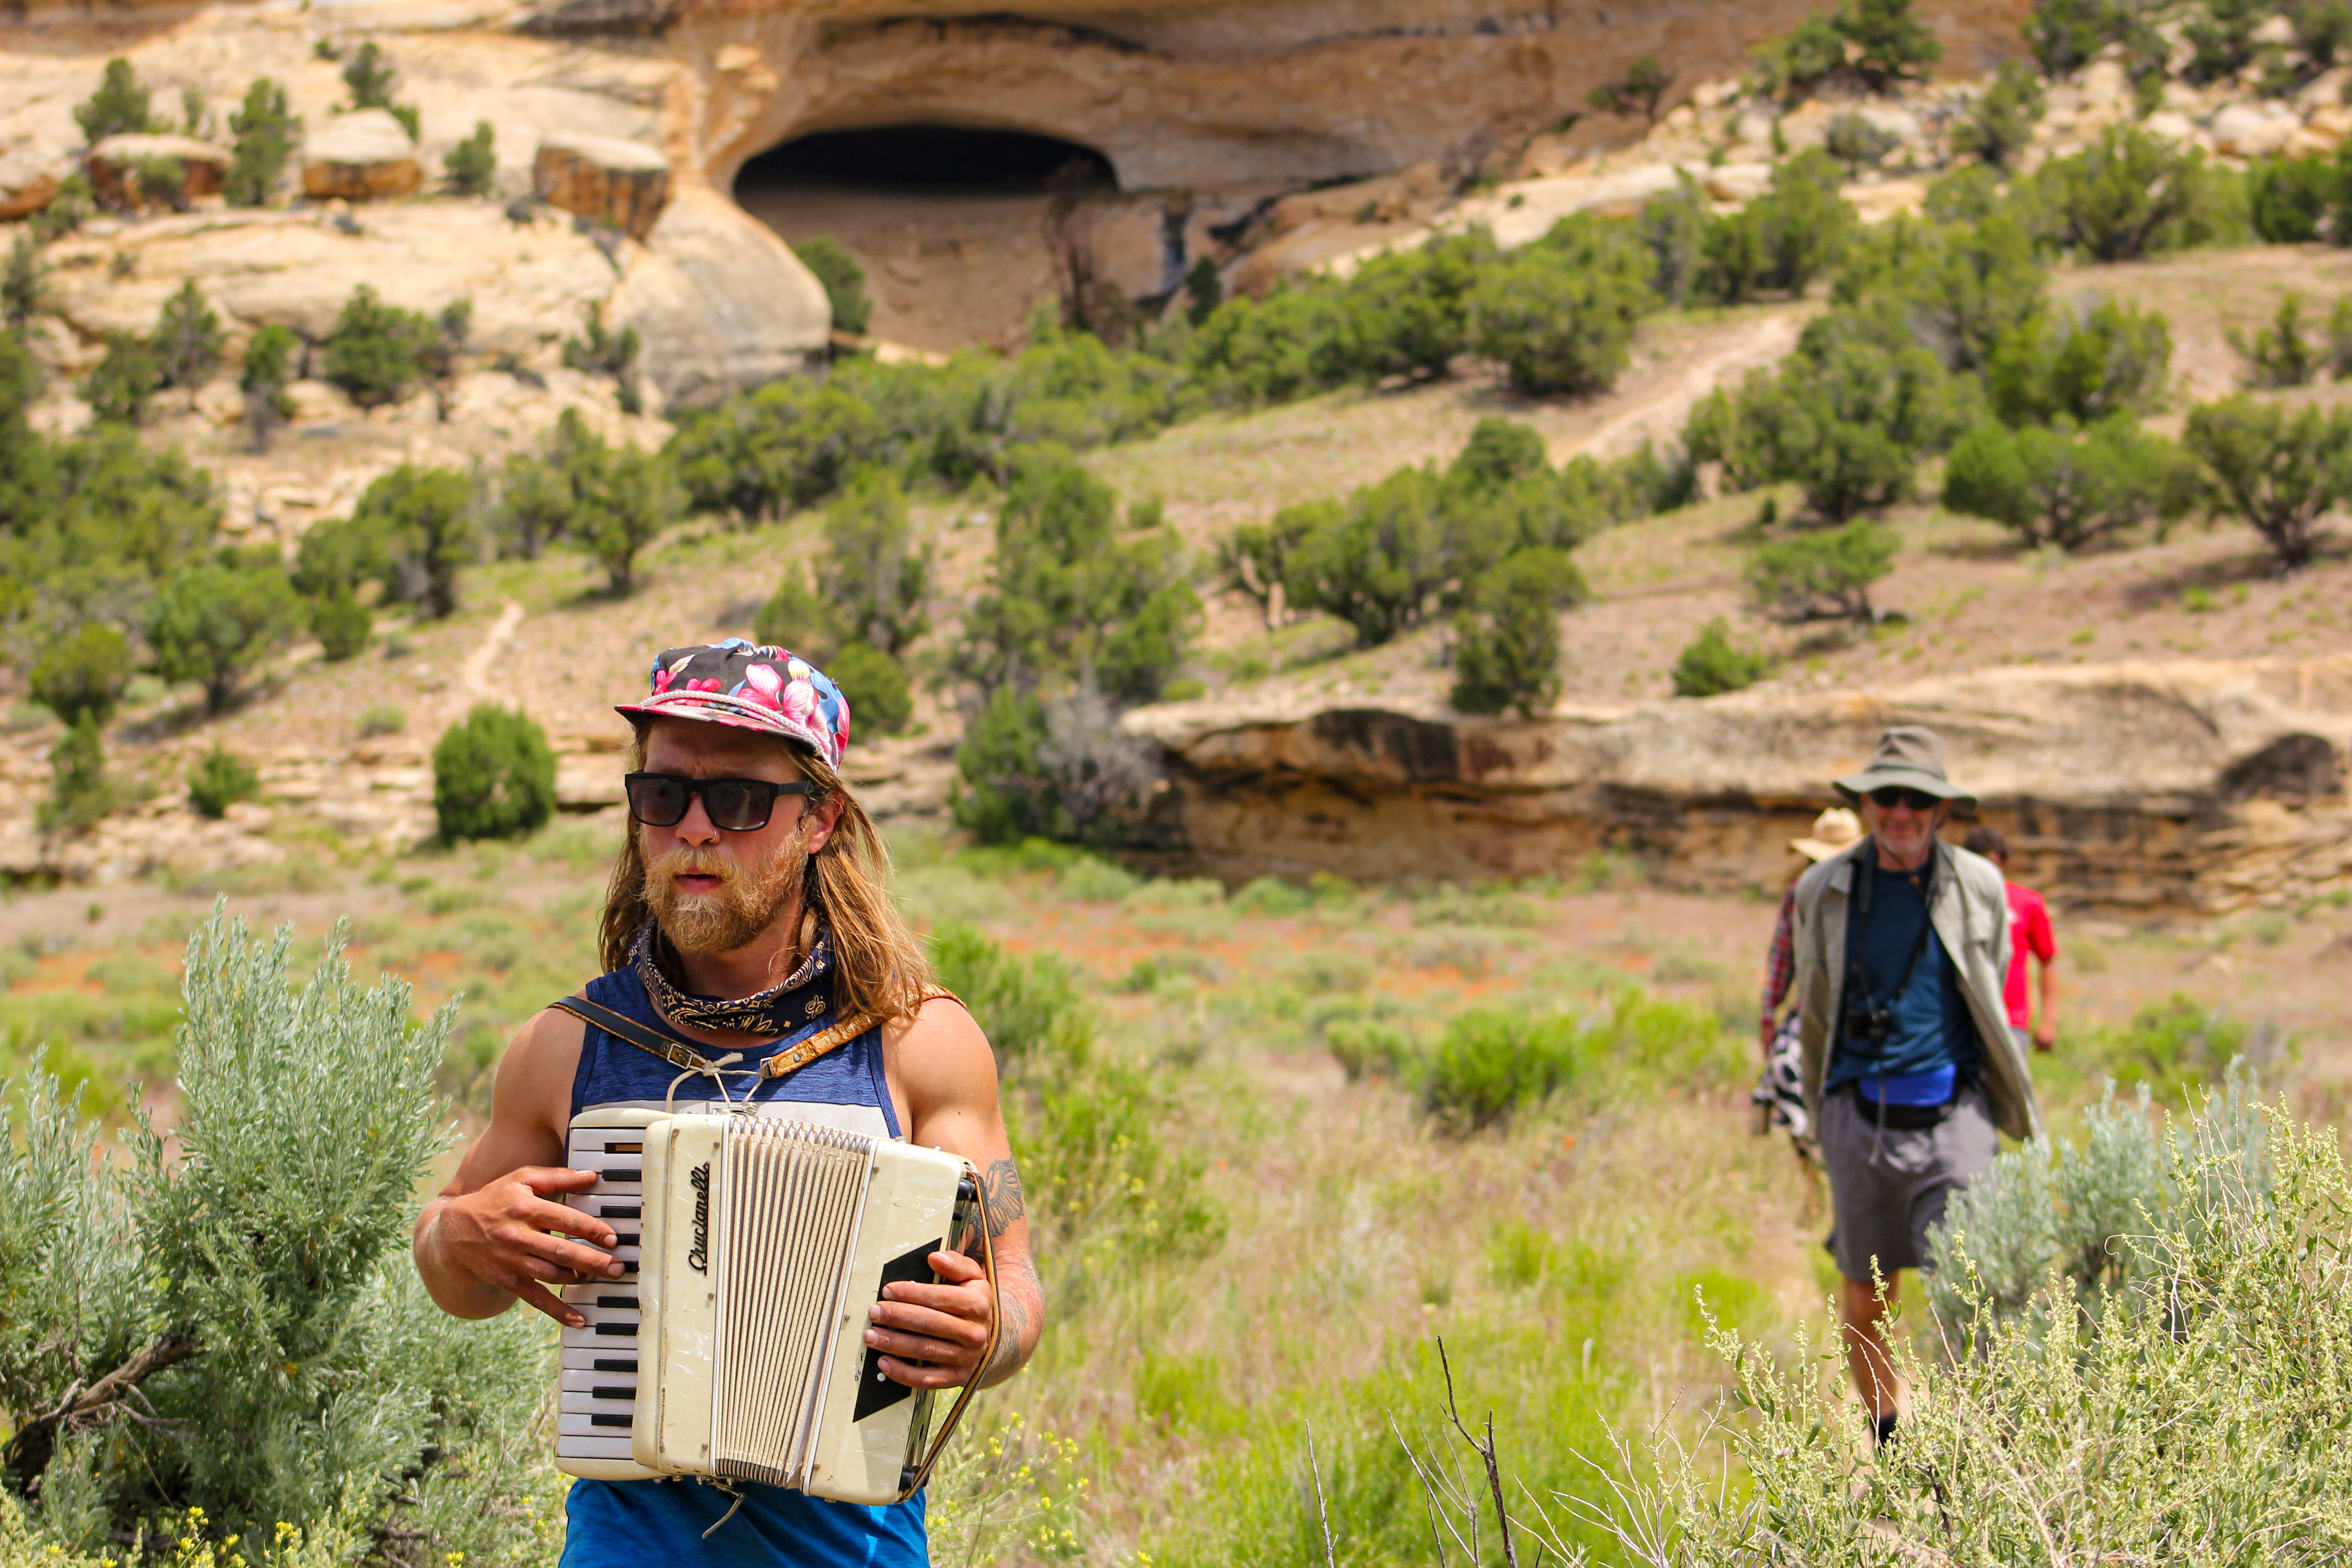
[(600, 1419), (614, 1363), (637, 1148), (629, 1301), (618, 1331), (631, 1174), (620, 1210), (612, 1391)]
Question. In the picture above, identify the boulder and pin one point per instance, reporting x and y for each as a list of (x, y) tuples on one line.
[(719, 302), (362, 156), (114, 164), (2170, 125), (604, 180), (2251, 130), (26, 186), (1738, 182)]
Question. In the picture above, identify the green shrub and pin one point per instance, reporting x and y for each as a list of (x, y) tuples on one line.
[(1789, 68), (119, 106), (1028, 1005), (2279, 354), (2065, 33), (1506, 644), (1822, 576), (1858, 143), (2277, 471), (2206, 1350), (2057, 486), (1638, 92), (471, 167), (21, 286), (2221, 38), (1560, 315), (412, 531), (80, 793), (872, 577), (2290, 198), (2128, 195), (266, 130), (1075, 589), (187, 340), (342, 625), (844, 281), (214, 623), (375, 351), (1491, 1064), (380, 719), (1847, 416), (2339, 338), (789, 444), (607, 353), (880, 699), (2000, 122), (493, 775), (219, 780), (1711, 664), (1887, 44), (1781, 241), (124, 379), (1379, 562), (371, 78), (268, 366), (2080, 365), (199, 1278), (1003, 793), (82, 674), (1409, 314)]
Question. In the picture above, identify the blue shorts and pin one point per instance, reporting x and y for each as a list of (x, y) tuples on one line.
[(632, 1524)]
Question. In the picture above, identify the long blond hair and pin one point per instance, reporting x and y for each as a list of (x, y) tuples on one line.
[(880, 965)]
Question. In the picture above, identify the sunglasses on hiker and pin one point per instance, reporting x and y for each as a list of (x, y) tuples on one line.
[(1893, 796), (735, 806)]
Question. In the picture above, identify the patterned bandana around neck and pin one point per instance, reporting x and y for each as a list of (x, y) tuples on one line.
[(801, 999)]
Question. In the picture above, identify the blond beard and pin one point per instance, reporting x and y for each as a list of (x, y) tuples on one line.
[(743, 908)]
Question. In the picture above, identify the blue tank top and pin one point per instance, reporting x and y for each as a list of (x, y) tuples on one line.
[(629, 1524)]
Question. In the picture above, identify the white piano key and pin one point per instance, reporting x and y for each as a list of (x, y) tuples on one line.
[(570, 1446), (601, 1358), (586, 1426), (583, 1380)]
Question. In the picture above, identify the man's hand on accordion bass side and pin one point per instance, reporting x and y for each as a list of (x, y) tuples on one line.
[(502, 1234), (944, 1326)]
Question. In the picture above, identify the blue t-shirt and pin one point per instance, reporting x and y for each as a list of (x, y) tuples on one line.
[(1934, 1042)]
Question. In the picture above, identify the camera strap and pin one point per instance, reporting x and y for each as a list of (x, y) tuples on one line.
[(1856, 982)]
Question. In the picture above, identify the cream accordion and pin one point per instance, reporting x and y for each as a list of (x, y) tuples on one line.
[(734, 1347)]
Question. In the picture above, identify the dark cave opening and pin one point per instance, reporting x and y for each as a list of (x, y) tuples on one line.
[(930, 158)]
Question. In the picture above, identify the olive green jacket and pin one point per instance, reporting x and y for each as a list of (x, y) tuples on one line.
[(1971, 917)]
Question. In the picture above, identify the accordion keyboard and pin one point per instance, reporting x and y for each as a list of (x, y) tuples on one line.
[(600, 1359)]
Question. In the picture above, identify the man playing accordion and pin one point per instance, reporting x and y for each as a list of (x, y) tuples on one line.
[(748, 913)]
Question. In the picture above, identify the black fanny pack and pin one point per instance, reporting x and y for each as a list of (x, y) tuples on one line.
[(1903, 1117)]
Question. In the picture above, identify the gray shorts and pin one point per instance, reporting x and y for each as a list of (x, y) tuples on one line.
[(1887, 1188)]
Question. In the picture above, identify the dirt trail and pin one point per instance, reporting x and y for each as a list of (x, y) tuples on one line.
[(474, 679), (1658, 413)]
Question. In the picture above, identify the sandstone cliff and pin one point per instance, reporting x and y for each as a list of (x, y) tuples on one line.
[(2200, 782)]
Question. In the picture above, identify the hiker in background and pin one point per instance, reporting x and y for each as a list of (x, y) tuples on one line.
[(1909, 1070), (2028, 932), (1780, 1094)]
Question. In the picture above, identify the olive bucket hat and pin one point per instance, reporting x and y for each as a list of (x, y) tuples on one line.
[(1909, 756)]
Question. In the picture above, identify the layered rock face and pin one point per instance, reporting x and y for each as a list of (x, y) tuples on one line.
[(2198, 784)]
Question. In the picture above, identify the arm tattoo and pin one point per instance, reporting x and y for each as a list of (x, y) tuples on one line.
[(1000, 1197), (1014, 1320)]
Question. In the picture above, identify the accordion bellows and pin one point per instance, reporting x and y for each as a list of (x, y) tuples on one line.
[(737, 1348)]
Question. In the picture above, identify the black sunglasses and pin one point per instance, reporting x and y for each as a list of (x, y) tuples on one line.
[(1893, 796), (735, 806)]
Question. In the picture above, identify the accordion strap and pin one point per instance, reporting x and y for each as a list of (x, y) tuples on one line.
[(685, 1057)]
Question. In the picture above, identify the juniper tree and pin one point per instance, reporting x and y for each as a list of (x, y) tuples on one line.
[(187, 340), (266, 131), (118, 105)]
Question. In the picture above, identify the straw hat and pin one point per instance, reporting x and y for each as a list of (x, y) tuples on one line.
[(1833, 830)]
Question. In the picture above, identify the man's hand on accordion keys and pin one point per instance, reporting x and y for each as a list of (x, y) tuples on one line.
[(933, 1336), (514, 1232)]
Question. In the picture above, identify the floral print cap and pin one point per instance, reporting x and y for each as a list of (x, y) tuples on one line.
[(750, 687)]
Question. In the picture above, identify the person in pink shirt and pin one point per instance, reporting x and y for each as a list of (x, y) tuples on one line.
[(2028, 932)]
